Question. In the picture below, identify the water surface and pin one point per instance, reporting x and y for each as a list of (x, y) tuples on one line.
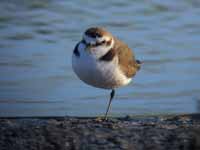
[(36, 43)]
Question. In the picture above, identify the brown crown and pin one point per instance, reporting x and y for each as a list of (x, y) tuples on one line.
[(97, 32)]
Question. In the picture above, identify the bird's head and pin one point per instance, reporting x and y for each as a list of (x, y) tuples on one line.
[(97, 40)]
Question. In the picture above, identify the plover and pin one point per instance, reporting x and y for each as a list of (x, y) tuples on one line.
[(103, 61)]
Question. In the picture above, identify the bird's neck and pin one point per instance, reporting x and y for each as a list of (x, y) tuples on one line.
[(101, 50)]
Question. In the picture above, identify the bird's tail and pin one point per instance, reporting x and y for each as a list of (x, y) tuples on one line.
[(138, 64)]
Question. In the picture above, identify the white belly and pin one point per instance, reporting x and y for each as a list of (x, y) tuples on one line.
[(101, 74)]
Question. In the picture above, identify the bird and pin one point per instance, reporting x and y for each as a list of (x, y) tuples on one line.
[(103, 61)]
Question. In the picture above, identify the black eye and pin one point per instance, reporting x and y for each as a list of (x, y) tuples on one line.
[(98, 35), (108, 42), (103, 42)]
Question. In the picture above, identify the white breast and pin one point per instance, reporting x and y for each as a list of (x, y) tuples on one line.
[(101, 74)]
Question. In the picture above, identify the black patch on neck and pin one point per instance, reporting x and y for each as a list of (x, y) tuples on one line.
[(108, 56), (76, 52)]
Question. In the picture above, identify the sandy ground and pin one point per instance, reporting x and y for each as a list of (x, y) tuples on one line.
[(72, 133)]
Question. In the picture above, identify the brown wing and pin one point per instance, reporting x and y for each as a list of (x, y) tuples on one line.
[(127, 61)]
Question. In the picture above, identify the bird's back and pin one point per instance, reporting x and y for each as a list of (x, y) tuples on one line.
[(127, 62)]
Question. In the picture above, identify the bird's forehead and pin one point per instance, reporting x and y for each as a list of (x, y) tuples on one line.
[(97, 33)]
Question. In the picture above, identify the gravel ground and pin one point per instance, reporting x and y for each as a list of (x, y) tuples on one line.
[(72, 133)]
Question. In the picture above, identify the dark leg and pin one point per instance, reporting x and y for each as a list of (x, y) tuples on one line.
[(112, 94)]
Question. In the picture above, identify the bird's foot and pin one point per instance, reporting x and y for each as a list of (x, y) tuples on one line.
[(100, 119)]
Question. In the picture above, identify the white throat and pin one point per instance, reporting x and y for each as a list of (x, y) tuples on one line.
[(98, 51)]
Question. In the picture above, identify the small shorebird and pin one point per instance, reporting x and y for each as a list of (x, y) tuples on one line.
[(103, 61)]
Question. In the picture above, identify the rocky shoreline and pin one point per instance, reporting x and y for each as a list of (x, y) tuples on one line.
[(181, 132)]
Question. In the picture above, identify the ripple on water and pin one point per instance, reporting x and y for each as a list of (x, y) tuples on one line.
[(21, 36)]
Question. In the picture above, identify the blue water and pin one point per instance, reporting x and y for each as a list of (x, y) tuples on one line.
[(36, 43)]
